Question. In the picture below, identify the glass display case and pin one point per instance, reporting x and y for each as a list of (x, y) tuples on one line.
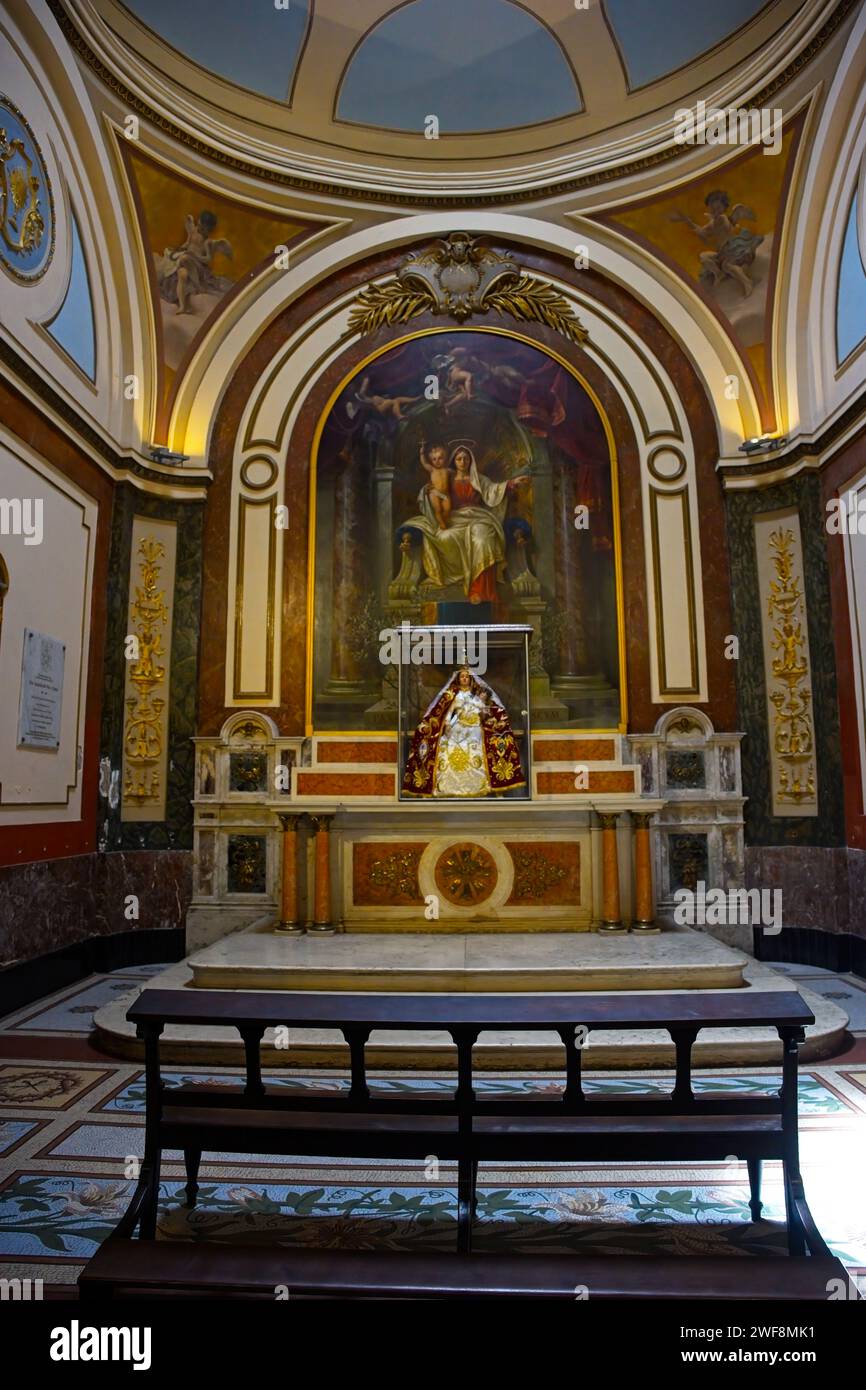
[(463, 697)]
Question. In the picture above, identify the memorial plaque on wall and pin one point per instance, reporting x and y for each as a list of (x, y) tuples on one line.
[(41, 701)]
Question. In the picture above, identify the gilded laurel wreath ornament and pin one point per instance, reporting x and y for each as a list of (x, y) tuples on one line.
[(459, 276)]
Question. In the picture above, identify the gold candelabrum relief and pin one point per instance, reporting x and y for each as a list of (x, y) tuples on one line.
[(144, 733), (534, 874), (793, 729), (398, 873)]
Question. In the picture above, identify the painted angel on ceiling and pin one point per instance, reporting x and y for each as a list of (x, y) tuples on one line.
[(734, 246)]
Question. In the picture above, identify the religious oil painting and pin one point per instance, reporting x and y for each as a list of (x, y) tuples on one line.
[(466, 477)]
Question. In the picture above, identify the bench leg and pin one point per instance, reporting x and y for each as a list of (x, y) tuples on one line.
[(192, 1160), (796, 1234), (465, 1205), (756, 1206), (151, 1203)]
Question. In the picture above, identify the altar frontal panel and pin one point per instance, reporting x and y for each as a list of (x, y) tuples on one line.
[(462, 881)]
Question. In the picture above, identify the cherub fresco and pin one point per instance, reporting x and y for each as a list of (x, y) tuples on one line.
[(734, 246), (186, 270), (388, 406)]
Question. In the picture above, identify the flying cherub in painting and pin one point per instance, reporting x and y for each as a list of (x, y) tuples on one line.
[(734, 246), (458, 369), (384, 405), (435, 461), (185, 270)]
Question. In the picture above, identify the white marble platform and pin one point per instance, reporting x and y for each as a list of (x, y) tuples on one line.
[(446, 963), (500, 1051)]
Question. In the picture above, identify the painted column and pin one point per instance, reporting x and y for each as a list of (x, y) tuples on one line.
[(289, 905), (644, 905), (322, 899), (568, 544), (611, 915), (350, 577)]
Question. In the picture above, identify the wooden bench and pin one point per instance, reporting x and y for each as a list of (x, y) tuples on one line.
[(463, 1126), (157, 1269)]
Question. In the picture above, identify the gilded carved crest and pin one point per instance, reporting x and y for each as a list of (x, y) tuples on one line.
[(459, 276)]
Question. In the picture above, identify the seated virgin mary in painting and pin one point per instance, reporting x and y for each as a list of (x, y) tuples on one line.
[(470, 545), (464, 745)]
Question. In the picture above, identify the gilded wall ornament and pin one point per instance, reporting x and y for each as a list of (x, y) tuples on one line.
[(459, 276), (793, 734), (466, 874), (145, 731), (26, 200), (397, 874), (534, 873)]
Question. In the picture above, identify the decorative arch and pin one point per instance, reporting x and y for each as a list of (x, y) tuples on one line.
[(280, 389), (817, 386), (680, 314)]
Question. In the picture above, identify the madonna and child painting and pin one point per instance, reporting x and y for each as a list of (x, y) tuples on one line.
[(450, 473)]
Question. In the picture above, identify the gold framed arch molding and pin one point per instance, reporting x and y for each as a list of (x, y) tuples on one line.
[(464, 475)]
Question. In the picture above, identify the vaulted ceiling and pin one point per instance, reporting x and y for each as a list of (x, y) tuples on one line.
[(370, 93)]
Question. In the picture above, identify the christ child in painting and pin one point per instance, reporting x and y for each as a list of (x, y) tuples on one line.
[(439, 487)]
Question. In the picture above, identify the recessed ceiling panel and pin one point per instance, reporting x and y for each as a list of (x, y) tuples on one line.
[(656, 38), (476, 67), (256, 46)]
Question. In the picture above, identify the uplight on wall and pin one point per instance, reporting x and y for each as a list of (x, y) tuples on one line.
[(160, 454), (761, 444)]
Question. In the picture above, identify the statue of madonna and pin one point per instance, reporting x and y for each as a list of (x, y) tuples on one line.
[(464, 745)]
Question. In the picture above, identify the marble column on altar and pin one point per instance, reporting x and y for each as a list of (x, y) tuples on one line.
[(288, 920), (322, 890), (611, 913), (644, 908)]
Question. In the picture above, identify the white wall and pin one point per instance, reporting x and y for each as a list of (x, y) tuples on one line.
[(50, 587)]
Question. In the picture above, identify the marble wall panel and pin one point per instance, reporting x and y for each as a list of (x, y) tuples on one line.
[(761, 826), (45, 906), (823, 887), (175, 830)]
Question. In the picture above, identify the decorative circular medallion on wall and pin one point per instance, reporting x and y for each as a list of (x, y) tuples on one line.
[(26, 199), (466, 874), (258, 472), (666, 464)]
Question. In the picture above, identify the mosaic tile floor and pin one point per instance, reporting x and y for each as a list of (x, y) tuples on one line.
[(71, 1132)]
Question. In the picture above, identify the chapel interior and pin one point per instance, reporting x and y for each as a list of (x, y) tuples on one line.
[(433, 649)]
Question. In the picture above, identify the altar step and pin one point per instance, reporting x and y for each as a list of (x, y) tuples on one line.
[(463, 963), (408, 1051)]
